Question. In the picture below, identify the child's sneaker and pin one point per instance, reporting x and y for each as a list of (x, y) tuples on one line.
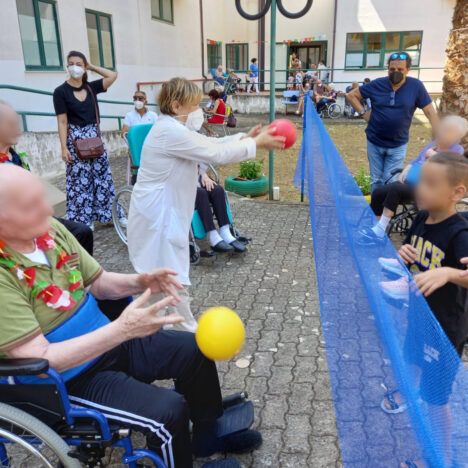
[(392, 265), (367, 237), (397, 290)]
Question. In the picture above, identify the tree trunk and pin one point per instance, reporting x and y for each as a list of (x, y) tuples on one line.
[(455, 83)]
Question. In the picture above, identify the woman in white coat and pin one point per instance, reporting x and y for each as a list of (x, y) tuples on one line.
[(163, 198)]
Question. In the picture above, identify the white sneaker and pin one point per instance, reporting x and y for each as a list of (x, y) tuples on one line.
[(356, 114), (123, 221), (297, 112)]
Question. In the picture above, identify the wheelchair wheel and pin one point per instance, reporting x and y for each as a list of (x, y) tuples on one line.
[(334, 110), (122, 197), (27, 442), (194, 254), (401, 223)]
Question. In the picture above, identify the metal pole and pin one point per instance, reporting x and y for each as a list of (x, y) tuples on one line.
[(271, 158)]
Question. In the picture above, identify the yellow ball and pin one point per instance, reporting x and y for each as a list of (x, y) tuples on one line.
[(220, 333)]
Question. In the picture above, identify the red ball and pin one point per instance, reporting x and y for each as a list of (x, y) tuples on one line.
[(286, 128)]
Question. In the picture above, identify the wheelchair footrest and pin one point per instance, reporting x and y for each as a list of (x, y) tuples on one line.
[(236, 418)]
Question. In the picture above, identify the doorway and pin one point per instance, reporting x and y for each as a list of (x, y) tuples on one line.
[(310, 53)]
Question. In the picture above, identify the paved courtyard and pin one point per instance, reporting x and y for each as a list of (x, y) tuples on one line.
[(282, 365)]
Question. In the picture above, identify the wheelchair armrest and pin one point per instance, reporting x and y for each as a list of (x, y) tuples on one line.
[(396, 171), (23, 366)]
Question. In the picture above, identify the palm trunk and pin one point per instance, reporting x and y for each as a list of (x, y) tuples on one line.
[(455, 83)]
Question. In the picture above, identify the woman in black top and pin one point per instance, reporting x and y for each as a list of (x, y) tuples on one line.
[(90, 188)]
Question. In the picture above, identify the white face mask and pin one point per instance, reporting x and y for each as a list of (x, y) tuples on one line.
[(76, 71), (194, 120), (139, 105)]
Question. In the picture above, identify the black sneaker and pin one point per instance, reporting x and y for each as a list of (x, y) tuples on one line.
[(225, 463), (241, 442), (205, 445)]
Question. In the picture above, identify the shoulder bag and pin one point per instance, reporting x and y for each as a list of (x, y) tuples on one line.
[(89, 148)]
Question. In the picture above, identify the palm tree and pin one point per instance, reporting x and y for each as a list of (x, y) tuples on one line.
[(455, 83)]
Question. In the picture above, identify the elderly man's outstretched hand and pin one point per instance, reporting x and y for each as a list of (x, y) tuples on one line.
[(137, 321), (162, 280)]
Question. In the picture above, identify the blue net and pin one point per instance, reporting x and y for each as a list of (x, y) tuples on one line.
[(380, 335)]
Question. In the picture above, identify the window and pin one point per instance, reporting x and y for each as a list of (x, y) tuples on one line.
[(214, 55), (39, 34), (371, 50), (237, 56), (162, 10), (101, 43)]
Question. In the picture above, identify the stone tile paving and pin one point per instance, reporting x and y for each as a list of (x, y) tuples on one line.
[(273, 288)]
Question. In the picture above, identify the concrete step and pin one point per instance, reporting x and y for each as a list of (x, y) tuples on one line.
[(56, 198)]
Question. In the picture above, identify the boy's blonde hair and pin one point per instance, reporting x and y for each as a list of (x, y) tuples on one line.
[(178, 89), (458, 122)]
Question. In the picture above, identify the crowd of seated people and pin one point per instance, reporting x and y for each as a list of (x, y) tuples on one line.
[(364, 102)]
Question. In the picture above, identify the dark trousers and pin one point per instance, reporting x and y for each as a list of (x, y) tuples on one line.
[(120, 386), (216, 199), (82, 232), (390, 196)]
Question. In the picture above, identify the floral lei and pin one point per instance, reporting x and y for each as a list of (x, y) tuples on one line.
[(52, 295)]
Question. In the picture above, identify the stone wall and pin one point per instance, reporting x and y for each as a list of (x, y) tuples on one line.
[(45, 156)]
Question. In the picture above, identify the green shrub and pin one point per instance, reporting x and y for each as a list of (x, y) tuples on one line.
[(363, 180), (251, 170)]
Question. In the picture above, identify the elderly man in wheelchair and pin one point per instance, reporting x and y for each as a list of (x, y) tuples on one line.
[(90, 379)]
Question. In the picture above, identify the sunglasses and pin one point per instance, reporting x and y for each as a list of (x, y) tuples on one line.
[(396, 56), (138, 98)]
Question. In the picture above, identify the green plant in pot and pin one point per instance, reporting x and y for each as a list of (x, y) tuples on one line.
[(363, 180), (250, 180)]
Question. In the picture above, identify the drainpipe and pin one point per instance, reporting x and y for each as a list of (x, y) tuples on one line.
[(261, 39), (202, 40), (335, 11)]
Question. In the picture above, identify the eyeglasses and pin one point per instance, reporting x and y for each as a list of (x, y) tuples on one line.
[(392, 98), (138, 98), (396, 56)]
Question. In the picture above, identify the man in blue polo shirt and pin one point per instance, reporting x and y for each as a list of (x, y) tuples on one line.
[(394, 99)]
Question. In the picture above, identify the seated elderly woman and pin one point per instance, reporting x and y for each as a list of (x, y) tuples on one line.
[(220, 77), (48, 286), (385, 199), (210, 194)]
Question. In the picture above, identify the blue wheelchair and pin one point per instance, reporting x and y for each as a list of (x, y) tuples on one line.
[(39, 427), (135, 139)]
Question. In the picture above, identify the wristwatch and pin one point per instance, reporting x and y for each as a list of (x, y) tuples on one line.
[(363, 111)]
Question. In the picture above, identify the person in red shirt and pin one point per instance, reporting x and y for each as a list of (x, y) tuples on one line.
[(217, 110)]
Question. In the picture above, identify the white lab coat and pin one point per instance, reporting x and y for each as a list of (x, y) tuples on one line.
[(163, 198)]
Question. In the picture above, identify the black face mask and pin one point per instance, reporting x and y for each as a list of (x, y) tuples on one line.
[(396, 77)]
